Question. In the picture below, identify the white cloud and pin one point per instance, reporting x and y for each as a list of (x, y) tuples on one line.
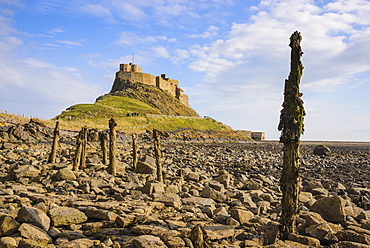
[(210, 33), (68, 42), (131, 39), (161, 51), (97, 10)]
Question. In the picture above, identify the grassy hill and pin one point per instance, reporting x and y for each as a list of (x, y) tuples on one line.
[(155, 109)]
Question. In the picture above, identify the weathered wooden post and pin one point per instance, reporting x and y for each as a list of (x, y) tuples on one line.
[(112, 166), (291, 127), (55, 143), (103, 137), (77, 159), (157, 150), (83, 148), (134, 152)]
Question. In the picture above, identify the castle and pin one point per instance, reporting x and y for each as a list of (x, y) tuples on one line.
[(129, 74)]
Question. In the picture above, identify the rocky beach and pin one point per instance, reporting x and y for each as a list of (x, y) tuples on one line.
[(214, 194)]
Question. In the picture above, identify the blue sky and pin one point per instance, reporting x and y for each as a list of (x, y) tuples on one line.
[(230, 56)]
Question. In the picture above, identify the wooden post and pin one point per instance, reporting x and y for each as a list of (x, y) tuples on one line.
[(291, 125), (112, 166), (55, 143), (157, 150), (103, 136), (77, 159), (134, 152), (83, 148)]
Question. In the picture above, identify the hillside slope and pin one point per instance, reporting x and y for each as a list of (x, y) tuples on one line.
[(153, 108)]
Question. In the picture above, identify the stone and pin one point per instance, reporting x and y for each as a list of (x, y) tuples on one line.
[(241, 215), (198, 201), (101, 214), (28, 171), (350, 244), (34, 216), (223, 178), (349, 235), (322, 150), (330, 208), (65, 174), (323, 232), (78, 243), (311, 218), (192, 176), (146, 166), (270, 231), (148, 241), (8, 242), (169, 199), (153, 187), (209, 192), (219, 232), (63, 216), (8, 225), (310, 241), (7, 146), (32, 232)]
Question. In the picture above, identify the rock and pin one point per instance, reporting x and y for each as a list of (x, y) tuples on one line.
[(349, 235), (350, 244), (252, 185), (323, 232), (34, 216), (101, 214), (8, 225), (241, 215), (270, 231), (62, 216), (192, 176), (148, 241), (153, 187), (219, 232), (65, 174), (35, 233), (7, 146), (78, 243), (311, 218), (209, 192), (224, 178), (330, 208), (169, 199), (311, 242), (146, 166), (28, 171), (322, 150), (8, 242)]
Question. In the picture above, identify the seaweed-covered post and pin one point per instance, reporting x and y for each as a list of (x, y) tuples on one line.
[(157, 150), (112, 166), (55, 143), (77, 158), (134, 152), (291, 127), (103, 137)]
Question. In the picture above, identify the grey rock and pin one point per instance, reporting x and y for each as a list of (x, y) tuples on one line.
[(35, 233), (34, 216), (330, 208)]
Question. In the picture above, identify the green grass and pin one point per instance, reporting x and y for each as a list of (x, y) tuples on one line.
[(143, 100)]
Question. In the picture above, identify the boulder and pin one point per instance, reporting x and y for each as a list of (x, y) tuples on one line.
[(28, 171), (8, 225), (34, 216), (101, 214), (330, 208), (310, 241), (322, 150), (169, 199), (146, 166), (323, 232), (153, 187), (8, 242), (62, 216), (219, 232), (241, 215), (35, 233), (147, 241), (65, 174)]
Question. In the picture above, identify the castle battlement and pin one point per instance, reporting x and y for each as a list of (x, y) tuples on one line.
[(129, 74)]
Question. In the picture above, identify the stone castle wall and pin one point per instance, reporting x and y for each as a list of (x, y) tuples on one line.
[(130, 73)]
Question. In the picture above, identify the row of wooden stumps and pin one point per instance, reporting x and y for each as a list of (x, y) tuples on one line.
[(108, 146)]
